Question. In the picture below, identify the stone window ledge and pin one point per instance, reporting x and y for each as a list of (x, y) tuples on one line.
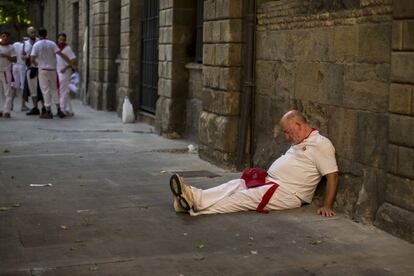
[(194, 66)]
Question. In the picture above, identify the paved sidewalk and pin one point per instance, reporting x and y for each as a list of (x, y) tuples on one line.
[(109, 211)]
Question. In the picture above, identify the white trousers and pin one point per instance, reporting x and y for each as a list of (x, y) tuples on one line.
[(19, 72), (5, 82), (65, 103), (233, 196), (32, 84), (48, 85)]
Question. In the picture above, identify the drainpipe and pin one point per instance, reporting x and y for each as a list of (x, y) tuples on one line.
[(246, 124)]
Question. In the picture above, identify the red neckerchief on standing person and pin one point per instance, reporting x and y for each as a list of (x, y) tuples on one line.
[(61, 46)]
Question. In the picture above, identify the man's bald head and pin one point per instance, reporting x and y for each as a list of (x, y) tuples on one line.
[(31, 32), (295, 126), (294, 115)]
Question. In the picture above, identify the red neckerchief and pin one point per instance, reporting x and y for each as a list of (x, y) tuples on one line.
[(5, 44), (61, 46), (307, 136), (32, 41)]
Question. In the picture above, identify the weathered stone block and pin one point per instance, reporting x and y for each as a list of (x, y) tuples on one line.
[(218, 132), (367, 95), (166, 35), (274, 45), (172, 88), (165, 69), (170, 116), (208, 31), (403, 8), (372, 139), (209, 54), (229, 8), (344, 43), (166, 4), (374, 43), (400, 192), (311, 44), (401, 130), (408, 38), (209, 9), (320, 82), (402, 69), (367, 72), (165, 52), (275, 78), (211, 76), (229, 78), (373, 183), (396, 221), (401, 98), (221, 102), (397, 35), (228, 54), (406, 162), (230, 30), (342, 130), (392, 158)]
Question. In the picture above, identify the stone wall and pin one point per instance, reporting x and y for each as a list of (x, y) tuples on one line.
[(331, 60), (130, 50), (194, 102), (177, 30), (222, 60), (396, 215)]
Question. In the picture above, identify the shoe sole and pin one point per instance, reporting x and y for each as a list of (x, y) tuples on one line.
[(175, 185)]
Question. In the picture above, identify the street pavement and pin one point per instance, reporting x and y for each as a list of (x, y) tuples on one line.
[(108, 211)]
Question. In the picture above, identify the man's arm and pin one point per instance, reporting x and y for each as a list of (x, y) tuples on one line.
[(65, 57), (330, 194), (9, 58)]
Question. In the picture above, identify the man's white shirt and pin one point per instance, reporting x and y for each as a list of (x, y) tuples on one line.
[(301, 168), (18, 47), (45, 52), (61, 63), (5, 64)]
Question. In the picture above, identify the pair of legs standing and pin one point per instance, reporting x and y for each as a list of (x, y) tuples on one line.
[(5, 82)]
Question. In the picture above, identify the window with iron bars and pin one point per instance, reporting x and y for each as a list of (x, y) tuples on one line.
[(199, 31)]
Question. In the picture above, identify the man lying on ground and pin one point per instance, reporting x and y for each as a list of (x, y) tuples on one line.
[(289, 183)]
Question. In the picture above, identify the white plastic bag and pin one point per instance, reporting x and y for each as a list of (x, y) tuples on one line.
[(74, 82), (127, 112)]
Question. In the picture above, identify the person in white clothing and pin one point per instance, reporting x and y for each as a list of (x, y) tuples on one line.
[(289, 182), (44, 55), (32, 73), (19, 71), (64, 74), (7, 57)]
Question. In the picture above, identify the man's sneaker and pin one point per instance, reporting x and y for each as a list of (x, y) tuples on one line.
[(182, 192), (6, 115), (33, 111), (43, 110), (60, 114), (177, 207), (47, 115)]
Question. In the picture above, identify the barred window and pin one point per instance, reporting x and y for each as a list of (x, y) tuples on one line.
[(199, 31)]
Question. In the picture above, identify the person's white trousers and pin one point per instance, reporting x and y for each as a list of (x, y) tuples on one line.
[(65, 103), (5, 82), (233, 196), (32, 84), (19, 73), (48, 85)]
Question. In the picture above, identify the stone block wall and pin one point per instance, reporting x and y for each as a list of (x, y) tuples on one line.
[(396, 214), (222, 70), (128, 59), (194, 105), (177, 32), (331, 60)]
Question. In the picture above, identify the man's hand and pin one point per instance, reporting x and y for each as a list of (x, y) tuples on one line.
[(326, 212)]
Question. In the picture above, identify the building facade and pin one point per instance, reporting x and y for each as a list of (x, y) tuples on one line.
[(222, 73)]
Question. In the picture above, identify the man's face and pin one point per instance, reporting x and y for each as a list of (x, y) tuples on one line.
[(4, 38), (31, 32), (291, 130), (61, 39)]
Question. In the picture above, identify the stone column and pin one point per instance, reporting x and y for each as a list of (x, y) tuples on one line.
[(130, 49), (222, 38), (396, 215), (176, 21)]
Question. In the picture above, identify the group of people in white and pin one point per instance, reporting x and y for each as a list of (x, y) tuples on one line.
[(42, 70)]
